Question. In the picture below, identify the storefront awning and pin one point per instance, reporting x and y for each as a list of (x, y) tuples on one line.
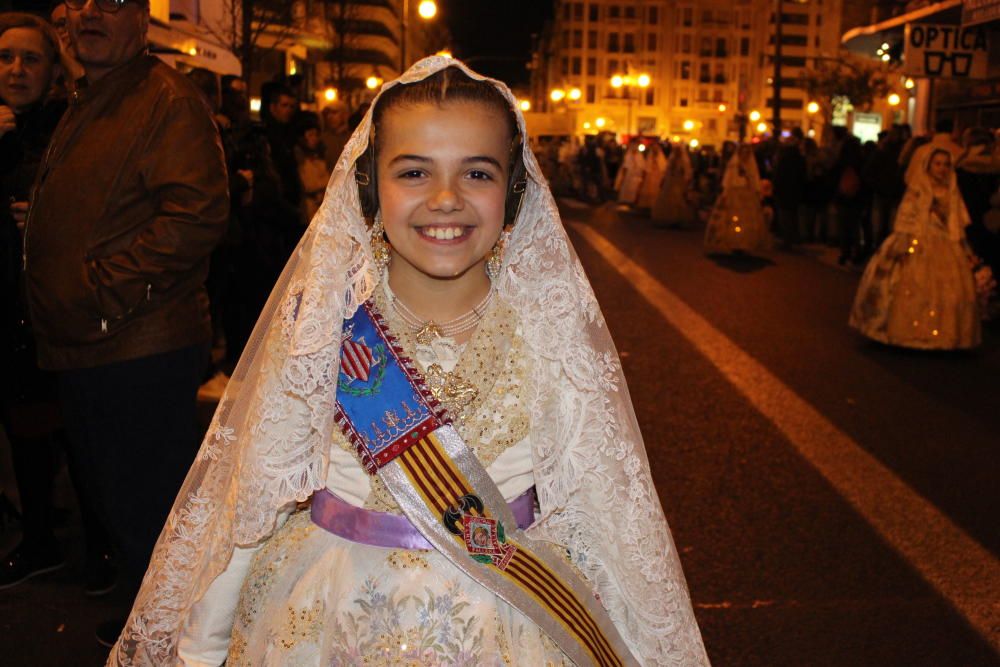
[(866, 39), (175, 44)]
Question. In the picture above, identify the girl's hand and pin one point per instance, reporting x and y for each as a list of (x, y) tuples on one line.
[(19, 211)]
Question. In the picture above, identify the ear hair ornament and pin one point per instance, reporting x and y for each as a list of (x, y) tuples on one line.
[(380, 247), (494, 262)]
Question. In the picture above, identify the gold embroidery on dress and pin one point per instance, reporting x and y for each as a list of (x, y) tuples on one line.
[(260, 577), (408, 559), (302, 624), (484, 394)]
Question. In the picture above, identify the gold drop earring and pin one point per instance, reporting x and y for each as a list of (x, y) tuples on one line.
[(494, 262), (380, 247)]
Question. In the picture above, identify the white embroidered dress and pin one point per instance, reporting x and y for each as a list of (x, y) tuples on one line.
[(273, 443)]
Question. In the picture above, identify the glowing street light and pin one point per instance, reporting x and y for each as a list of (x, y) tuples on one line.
[(722, 108), (525, 105), (754, 116), (762, 127), (812, 107), (688, 125), (575, 94), (586, 125), (557, 94), (373, 82), (255, 104), (893, 99), (600, 122), (617, 81), (642, 148), (427, 9), (330, 94), (909, 84), (886, 57), (693, 143), (644, 80)]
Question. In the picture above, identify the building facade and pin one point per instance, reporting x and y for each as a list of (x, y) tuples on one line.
[(710, 64)]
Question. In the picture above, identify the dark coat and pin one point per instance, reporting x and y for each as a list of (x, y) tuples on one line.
[(128, 205)]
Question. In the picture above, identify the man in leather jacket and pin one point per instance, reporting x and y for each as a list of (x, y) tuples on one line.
[(128, 204)]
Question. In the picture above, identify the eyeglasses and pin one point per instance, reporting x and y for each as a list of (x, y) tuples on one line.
[(106, 6)]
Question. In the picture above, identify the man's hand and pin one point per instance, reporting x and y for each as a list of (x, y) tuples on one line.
[(8, 121)]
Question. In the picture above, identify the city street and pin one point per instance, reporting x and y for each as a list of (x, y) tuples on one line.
[(834, 502)]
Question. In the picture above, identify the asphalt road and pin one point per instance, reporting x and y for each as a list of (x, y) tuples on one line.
[(783, 569), (764, 417)]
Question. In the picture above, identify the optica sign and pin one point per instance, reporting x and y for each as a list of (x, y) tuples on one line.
[(945, 51)]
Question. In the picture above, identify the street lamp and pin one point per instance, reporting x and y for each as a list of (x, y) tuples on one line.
[(525, 105), (909, 84), (373, 82), (575, 94), (600, 122), (754, 116), (427, 10), (557, 94), (330, 94), (812, 107), (629, 82), (688, 125), (722, 108), (762, 127), (893, 100)]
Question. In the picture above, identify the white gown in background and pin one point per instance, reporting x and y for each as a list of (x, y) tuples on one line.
[(918, 290), (737, 220)]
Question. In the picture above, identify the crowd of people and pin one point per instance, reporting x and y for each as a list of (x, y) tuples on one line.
[(108, 324), (871, 201)]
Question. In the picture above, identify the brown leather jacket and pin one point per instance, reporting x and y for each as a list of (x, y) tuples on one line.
[(129, 202)]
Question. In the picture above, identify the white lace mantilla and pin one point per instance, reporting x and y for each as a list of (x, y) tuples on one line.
[(267, 445)]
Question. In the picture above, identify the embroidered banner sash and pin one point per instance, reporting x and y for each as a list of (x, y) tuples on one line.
[(403, 434)]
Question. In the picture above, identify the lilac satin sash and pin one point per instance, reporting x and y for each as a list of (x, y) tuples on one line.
[(381, 529)]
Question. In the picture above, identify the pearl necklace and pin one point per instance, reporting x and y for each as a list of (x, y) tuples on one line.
[(427, 330)]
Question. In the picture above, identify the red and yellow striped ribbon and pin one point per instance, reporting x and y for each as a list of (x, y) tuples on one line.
[(440, 483)]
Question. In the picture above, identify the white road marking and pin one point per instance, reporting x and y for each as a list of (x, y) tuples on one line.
[(952, 562)]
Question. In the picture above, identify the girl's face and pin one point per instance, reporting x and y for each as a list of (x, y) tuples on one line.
[(26, 68), (442, 184), (940, 167)]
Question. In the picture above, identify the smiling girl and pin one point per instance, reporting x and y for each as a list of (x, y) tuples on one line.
[(434, 375)]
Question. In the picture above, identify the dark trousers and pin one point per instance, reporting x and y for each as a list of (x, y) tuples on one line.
[(35, 462), (849, 220), (788, 222), (133, 431)]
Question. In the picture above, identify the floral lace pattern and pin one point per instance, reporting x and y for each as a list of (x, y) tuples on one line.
[(313, 599), (267, 446)]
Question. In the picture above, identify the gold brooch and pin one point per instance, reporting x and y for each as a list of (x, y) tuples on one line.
[(450, 388)]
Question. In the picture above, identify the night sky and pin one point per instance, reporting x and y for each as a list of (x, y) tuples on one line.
[(494, 36)]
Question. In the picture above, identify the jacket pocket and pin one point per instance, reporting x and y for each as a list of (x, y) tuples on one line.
[(116, 303)]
